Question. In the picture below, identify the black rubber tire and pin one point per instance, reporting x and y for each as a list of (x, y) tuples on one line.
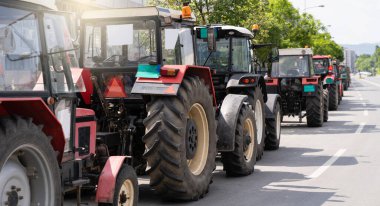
[(314, 109), (326, 105), (166, 124), (16, 132), (272, 140), (345, 86), (234, 163), (333, 97), (257, 95), (126, 173)]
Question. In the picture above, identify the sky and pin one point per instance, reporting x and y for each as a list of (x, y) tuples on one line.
[(352, 21)]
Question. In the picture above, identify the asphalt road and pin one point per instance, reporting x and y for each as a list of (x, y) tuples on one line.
[(336, 164)]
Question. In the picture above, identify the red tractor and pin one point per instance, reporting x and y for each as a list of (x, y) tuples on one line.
[(166, 119), (325, 67), (48, 146)]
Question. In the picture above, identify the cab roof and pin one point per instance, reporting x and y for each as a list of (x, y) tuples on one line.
[(321, 57), (295, 51), (240, 31), (151, 11)]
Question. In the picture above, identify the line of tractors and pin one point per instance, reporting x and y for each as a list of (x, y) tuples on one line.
[(151, 93)]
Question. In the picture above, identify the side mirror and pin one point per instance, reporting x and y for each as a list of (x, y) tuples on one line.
[(211, 40)]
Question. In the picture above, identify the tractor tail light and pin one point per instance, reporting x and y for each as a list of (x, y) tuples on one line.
[(330, 69), (169, 72), (247, 80)]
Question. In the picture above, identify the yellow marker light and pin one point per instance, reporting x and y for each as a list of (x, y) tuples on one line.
[(186, 11), (255, 27)]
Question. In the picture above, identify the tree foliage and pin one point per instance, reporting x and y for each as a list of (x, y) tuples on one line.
[(280, 22)]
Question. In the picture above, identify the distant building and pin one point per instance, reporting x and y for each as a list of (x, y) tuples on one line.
[(350, 59)]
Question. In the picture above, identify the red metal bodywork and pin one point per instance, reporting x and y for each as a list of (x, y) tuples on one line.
[(271, 82), (86, 96), (80, 112), (107, 179), (41, 114), (311, 80), (202, 72)]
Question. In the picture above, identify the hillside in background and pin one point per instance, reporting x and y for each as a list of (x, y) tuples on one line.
[(366, 48)]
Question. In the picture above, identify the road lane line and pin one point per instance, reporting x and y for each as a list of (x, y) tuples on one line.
[(373, 83), (360, 128), (361, 98), (365, 112), (327, 164)]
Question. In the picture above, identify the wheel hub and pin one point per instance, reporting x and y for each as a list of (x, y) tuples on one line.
[(247, 141), (191, 139), (123, 198), (12, 198)]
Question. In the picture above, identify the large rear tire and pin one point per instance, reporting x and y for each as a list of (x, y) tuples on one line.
[(29, 168), (273, 128), (242, 160), (257, 102), (314, 109), (181, 141), (326, 105), (333, 97)]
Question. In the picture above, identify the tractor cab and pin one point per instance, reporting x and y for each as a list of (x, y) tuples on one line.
[(294, 62)]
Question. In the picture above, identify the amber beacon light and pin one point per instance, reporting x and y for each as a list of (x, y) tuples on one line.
[(186, 10)]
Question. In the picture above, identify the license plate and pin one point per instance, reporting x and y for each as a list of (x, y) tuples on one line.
[(309, 88)]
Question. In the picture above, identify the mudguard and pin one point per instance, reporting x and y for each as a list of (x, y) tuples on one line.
[(227, 121), (107, 179), (169, 86), (235, 82), (329, 79), (270, 105)]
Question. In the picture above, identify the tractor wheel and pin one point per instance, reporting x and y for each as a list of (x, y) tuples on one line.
[(126, 188), (242, 160), (345, 86), (180, 141), (257, 102), (29, 168), (314, 109), (273, 128), (326, 105), (333, 97)]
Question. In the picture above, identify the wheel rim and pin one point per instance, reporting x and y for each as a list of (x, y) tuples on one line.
[(259, 121), (278, 125), (248, 131), (126, 194), (26, 178), (198, 115)]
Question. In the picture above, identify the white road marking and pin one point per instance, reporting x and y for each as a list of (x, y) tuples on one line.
[(359, 94), (361, 98), (364, 104), (365, 112), (219, 167), (327, 164), (360, 128), (373, 83)]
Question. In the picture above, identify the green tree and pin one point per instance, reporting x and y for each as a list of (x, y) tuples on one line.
[(363, 63)]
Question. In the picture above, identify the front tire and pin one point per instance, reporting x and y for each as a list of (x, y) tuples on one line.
[(180, 141), (333, 97), (29, 166), (257, 102), (325, 105), (126, 188), (314, 109), (273, 128), (242, 160)]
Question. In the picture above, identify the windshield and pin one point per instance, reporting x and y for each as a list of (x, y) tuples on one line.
[(20, 63), (292, 66), (321, 66), (62, 55), (120, 45), (215, 60)]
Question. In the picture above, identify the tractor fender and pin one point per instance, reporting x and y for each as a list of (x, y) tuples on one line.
[(234, 82), (329, 79), (271, 104), (107, 179), (36, 109), (227, 121), (169, 86)]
